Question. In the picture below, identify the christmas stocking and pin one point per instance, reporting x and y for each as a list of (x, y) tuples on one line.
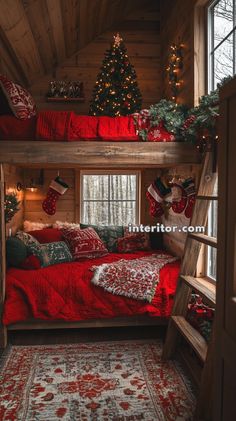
[(156, 194), (178, 206), (56, 189), (189, 188)]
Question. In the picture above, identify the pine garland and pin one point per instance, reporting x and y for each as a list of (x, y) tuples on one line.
[(11, 206)]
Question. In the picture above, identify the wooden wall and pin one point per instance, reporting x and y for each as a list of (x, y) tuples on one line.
[(68, 205), (13, 175), (180, 24), (141, 33)]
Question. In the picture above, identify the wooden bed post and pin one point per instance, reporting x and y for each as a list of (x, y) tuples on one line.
[(3, 329)]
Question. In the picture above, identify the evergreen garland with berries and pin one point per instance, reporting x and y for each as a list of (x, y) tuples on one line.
[(116, 91), (11, 206)]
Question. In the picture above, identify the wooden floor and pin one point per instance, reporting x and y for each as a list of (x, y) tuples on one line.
[(63, 336)]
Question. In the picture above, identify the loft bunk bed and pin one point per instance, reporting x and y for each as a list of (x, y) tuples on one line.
[(92, 154)]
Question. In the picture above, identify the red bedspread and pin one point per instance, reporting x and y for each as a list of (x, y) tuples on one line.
[(64, 292)]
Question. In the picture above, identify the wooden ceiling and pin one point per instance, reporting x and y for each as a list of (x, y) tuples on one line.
[(38, 35)]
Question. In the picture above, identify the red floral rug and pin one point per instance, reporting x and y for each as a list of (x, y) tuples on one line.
[(107, 381)]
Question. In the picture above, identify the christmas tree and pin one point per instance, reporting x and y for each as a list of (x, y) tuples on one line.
[(116, 91)]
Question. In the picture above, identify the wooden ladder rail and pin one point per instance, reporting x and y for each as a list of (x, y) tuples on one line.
[(178, 325)]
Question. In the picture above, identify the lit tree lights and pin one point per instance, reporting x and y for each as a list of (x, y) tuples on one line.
[(116, 91)]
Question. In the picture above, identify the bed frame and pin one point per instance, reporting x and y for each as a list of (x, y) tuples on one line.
[(134, 155)]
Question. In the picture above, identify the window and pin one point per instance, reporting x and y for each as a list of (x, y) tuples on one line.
[(109, 198), (212, 232), (221, 41)]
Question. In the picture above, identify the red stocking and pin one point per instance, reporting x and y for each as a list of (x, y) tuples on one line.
[(191, 194), (56, 189), (155, 208)]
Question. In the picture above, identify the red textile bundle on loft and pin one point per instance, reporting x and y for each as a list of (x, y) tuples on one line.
[(65, 292), (53, 125), (83, 127), (117, 128), (12, 128)]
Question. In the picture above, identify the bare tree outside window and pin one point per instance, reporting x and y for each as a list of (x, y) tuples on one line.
[(109, 199), (222, 21)]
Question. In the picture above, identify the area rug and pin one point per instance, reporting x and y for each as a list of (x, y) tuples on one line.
[(105, 381)]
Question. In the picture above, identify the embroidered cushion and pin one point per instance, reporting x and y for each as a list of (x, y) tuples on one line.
[(47, 235), (54, 253), (84, 243), (109, 234), (133, 242), (33, 246), (20, 101)]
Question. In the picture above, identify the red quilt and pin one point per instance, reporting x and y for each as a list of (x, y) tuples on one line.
[(64, 292)]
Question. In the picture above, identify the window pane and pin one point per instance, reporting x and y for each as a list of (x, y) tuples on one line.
[(223, 20), (95, 187), (109, 199), (212, 219), (211, 258), (223, 61), (123, 213), (123, 187), (95, 213)]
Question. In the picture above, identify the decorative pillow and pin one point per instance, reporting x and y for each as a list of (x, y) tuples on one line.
[(54, 253), (20, 101), (84, 243), (47, 235), (16, 251), (60, 224), (108, 234), (133, 242), (33, 246), (31, 262), (4, 106), (32, 226)]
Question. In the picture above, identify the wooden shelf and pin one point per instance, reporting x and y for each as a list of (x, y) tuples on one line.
[(203, 287), (192, 336), (98, 154), (67, 99), (205, 239)]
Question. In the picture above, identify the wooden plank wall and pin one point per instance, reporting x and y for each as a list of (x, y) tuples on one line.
[(65, 205), (13, 175), (68, 205), (177, 26), (141, 33)]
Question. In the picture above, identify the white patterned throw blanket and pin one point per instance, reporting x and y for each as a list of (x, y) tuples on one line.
[(137, 278)]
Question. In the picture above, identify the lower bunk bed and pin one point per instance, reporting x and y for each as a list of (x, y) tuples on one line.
[(63, 296)]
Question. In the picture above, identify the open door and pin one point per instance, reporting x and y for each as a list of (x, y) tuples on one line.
[(225, 373)]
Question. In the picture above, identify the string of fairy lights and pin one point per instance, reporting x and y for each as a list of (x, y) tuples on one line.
[(175, 65)]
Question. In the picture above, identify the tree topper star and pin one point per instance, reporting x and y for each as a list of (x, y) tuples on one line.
[(117, 39)]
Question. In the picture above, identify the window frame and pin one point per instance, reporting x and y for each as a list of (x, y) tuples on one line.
[(210, 43), (137, 173)]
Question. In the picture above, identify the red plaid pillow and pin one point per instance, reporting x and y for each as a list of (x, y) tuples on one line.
[(20, 101), (133, 242), (84, 243)]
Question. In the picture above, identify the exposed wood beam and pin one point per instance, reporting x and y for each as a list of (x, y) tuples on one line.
[(55, 15), (15, 24), (99, 154)]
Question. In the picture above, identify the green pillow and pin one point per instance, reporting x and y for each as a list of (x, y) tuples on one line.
[(16, 251), (53, 253), (109, 234)]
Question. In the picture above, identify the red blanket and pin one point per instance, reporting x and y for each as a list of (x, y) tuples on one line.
[(66, 125), (53, 125), (65, 292)]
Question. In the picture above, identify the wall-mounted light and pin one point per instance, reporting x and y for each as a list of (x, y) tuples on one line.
[(33, 184)]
